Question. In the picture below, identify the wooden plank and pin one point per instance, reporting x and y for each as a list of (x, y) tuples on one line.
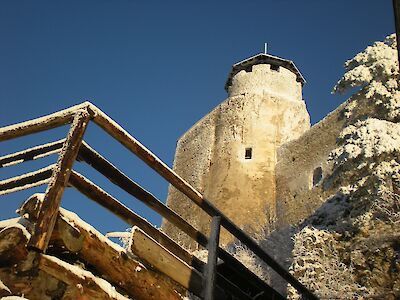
[(101, 197), (93, 158), (40, 124), (98, 162), (165, 261), (96, 250), (51, 203), (91, 286), (31, 153), (14, 254), (127, 140), (26, 181), (76, 236), (13, 241), (211, 267), (116, 131)]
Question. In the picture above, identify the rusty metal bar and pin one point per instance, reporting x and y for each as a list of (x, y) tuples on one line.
[(52, 198), (210, 272)]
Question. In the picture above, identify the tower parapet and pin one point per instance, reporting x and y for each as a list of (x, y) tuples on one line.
[(264, 73)]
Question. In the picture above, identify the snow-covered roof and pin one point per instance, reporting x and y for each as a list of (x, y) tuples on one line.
[(263, 58)]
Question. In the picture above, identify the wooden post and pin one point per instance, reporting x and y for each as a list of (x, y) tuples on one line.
[(61, 172), (210, 273)]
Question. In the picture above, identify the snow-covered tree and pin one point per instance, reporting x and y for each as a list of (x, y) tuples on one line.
[(360, 260)]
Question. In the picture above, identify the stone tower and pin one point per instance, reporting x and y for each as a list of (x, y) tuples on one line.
[(230, 154)]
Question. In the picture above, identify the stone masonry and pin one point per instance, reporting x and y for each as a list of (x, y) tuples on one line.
[(230, 155)]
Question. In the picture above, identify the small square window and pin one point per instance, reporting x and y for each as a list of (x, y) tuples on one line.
[(248, 153)]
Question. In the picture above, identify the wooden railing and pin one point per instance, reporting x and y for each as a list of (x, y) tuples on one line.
[(60, 175)]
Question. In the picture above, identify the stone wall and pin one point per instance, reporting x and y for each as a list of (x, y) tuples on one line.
[(254, 121), (192, 162), (301, 167)]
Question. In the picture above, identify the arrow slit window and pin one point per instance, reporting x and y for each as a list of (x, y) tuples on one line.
[(248, 153)]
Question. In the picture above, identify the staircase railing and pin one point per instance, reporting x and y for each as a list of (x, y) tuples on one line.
[(60, 175)]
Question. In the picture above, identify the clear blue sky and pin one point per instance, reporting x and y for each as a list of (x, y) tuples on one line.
[(157, 67)]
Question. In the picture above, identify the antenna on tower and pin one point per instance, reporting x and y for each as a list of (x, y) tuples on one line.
[(265, 48)]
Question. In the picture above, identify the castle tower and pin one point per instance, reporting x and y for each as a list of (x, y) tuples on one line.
[(230, 154)]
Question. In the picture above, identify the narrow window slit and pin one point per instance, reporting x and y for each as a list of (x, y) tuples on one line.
[(248, 153), (317, 176)]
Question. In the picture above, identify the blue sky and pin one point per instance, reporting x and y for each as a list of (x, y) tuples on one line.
[(156, 67)]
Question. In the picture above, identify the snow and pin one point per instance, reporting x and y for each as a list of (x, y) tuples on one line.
[(316, 261), (86, 275), (138, 269), (375, 71), (26, 186), (377, 63), (27, 151), (12, 163), (123, 234), (3, 287), (27, 125), (369, 138), (8, 222), (76, 222), (366, 170), (21, 227)]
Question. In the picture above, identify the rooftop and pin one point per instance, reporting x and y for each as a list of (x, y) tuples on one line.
[(263, 58)]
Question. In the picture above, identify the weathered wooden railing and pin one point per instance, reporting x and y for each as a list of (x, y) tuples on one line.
[(61, 175)]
